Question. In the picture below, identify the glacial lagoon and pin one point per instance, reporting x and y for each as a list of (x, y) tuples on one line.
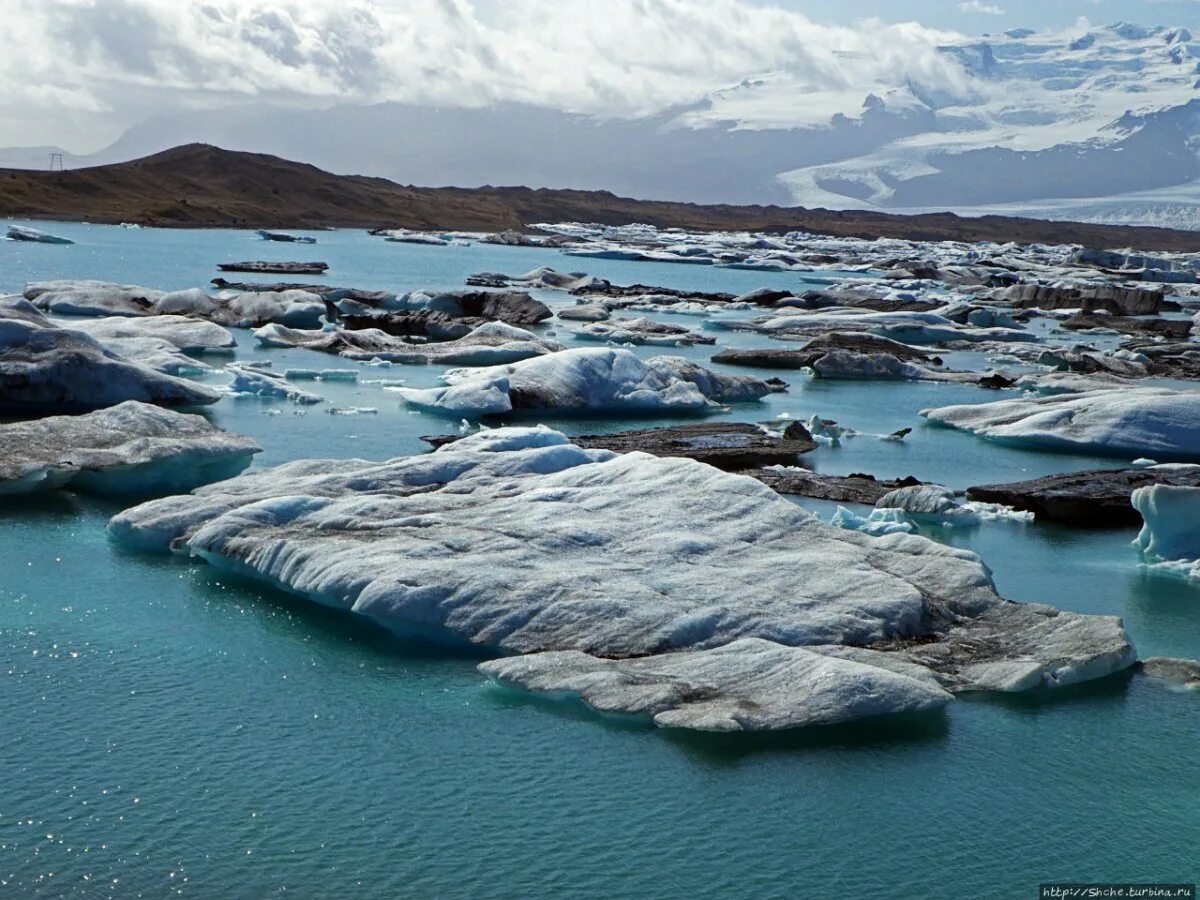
[(172, 728)]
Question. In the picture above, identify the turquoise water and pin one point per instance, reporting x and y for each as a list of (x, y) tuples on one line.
[(166, 728)]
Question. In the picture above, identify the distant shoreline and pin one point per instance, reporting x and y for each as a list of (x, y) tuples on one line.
[(199, 186)]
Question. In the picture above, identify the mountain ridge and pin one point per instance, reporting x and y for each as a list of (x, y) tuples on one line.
[(199, 185)]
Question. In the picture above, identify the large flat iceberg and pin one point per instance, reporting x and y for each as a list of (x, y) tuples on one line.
[(131, 448), (1128, 422), (516, 540)]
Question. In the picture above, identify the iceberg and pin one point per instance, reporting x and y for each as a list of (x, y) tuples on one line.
[(586, 380), (131, 448), (92, 298), (47, 368), (1171, 514), (490, 344), (642, 331), (189, 335), (250, 382), (518, 541), (1156, 422)]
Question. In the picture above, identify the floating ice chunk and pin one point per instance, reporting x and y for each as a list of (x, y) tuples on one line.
[(588, 379), (1132, 421), (492, 343), (1172, 521), (1143, 462), (47, 368), (352, 411), (248, 382), (189, 335), (747, 685), (92, 298), (877, 523), (131, 448), (321, 374)]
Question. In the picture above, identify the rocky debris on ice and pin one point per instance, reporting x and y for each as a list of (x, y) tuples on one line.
[(489, 344), (32, 235), (598, 380), (1171, 359), (905, 327), (1172, 329), (1131, 422), (731, 446), (821, 345), (251, 382), (543, 278), (607, 291), (1112, 299), (518, 541), (1090, 499), (846, 364), (45, 367), (285, 238), (513, 307), (854, 488), (274, 267), (643, 331), (130, 448), (747, 685)]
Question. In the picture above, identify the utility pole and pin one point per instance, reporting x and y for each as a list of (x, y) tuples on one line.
[(56, 162)]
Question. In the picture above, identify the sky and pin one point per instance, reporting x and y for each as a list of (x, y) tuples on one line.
[(77, 73)]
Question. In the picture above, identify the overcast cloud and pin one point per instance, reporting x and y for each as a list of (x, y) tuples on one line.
[(77, 72)]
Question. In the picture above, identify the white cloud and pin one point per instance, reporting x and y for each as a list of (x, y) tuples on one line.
[(979, 6), (79, 71)]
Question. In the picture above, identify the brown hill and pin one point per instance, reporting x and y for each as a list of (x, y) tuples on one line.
[(197, 185)]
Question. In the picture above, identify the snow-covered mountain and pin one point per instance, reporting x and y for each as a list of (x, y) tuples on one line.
[(1098, 124), (1104, 124)]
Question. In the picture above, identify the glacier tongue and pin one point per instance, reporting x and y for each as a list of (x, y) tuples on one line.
[(519, 541)]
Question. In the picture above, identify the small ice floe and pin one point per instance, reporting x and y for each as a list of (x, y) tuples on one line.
[(248, 382), (828, 431), (19, 233), (1143, 462), (352, 411), (905, 509), (321, 374)]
